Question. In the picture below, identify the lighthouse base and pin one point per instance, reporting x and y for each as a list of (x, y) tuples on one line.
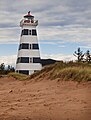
[(28, 69), (27, 72)]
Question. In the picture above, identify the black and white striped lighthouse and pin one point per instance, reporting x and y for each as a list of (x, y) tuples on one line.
[(28, 59)]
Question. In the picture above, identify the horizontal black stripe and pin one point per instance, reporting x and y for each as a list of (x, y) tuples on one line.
[(28, 60), (28, 46), (29, 32)]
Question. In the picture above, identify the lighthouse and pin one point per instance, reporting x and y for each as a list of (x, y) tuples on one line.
[(28, 58)]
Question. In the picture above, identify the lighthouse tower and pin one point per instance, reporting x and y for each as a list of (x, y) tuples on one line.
[(28, 59)]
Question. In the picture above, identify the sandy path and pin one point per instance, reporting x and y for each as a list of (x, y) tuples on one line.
[(44, 100)]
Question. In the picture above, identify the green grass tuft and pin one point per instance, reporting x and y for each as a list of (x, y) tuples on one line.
[(18, 76), (73, 73)]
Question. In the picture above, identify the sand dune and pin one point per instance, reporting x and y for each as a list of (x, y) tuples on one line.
[(44, 100)]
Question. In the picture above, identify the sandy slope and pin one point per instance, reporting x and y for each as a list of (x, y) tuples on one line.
[(44, 100)]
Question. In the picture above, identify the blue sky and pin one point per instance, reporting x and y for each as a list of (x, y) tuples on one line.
[(64, 25)]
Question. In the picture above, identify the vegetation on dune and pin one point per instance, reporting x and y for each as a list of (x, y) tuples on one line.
[(74, 71), (18, 76), (61, 71), (65, 71)]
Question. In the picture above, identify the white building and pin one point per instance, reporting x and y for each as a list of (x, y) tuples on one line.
[(28, 59)]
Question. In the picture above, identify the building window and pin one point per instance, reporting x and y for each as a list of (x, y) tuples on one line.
[(35, 46), (24, 72), (24, 32), (28, 60), (28, 32), (18, 60), (17, 71), (25, 46), (34, 32), (36, 60), (24, 59)]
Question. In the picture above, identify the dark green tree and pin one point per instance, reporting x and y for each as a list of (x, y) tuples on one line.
[(2, 67), (9, 67), (88, 56), (79, 54)]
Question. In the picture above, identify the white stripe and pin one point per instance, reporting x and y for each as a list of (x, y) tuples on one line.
[(28, 27), (28, 66), (28, 39), (28, 53)]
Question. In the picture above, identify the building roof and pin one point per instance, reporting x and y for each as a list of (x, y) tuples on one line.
[(29, 16)]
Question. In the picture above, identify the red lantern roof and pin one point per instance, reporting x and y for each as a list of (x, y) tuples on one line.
[(29, 16)]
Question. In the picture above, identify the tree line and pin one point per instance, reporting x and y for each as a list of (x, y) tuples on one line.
[(4, 70), (82, 57)]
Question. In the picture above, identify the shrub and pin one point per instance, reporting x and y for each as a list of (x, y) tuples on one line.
[(18, 76), (66, 71)]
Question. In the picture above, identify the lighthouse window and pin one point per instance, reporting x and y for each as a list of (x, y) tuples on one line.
[(25, 32), (24, 72), (25, 46), (18, 60), (24, 59), (35, 46), (36, 60), (34, 32)]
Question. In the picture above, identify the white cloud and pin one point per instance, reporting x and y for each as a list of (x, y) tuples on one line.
[(8, 60), (58, 57), (62, 46), (87, 46), (58, 20), (68, 33), (51, 43), (9, 35)]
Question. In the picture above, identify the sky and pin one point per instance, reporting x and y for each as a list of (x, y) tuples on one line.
[(64, 25)]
